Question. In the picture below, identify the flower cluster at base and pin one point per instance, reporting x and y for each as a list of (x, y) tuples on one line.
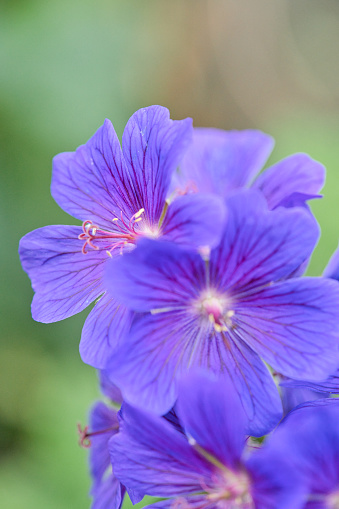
[(194, 262)]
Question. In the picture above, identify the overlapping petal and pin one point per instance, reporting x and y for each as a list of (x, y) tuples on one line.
[(106, 490), (97, 181), (212, 415), (150, 456), (148, 278), (195, 220), (292, 181), (106, 324), (90, 182), (293, 325), (65, 280), (153, 146), (220, 161), (332, 268), (260, 246), (162, 347)]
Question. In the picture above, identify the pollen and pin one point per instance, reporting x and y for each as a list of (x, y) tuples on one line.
[(216, 309)]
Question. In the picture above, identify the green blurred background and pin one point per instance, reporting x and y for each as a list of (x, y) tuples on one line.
[(64, 67)]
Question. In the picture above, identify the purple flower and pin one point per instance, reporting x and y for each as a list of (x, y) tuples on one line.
[(226, 312), (120, 195), (221, 161), (208, 468), (308, 440), (106, 490)]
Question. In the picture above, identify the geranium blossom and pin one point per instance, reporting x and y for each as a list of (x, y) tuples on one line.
[(210, 467), (226, 312), (120, 195), (222, 161)]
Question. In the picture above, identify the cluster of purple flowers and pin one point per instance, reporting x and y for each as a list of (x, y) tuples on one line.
[(204, 329)]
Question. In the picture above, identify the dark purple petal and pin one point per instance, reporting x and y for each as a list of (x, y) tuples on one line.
[(65, 280), (211, 414), (332, 268), (292, 181), (105, 325), (155, 275), (194, 221), (260, 246), (294, 326), (153, 145), (150, 456), (220, 161), (90, 183), (163, 347)]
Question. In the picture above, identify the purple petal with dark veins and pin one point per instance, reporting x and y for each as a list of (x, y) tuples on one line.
[(65, 280), (106, 324), (330, 385), (150, 456), (220, 161), (163, 347), (153, 145), (260, 246), (89, 183), (293, 325), (195, 220), (211, 414), (155, 275), (292, 181)]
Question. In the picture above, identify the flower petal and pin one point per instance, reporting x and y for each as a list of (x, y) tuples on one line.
[(153, 146), (260, 246), (65, 280), (147, 279), (253, 382), (144, 366), (194, 221), (108, 495), (332, 268), (292, 181), (110, 390), (163, 347), (102, 418), (294, 326), (89, 183), (210, 411), (105, 325), (150, 456), (220, 161)]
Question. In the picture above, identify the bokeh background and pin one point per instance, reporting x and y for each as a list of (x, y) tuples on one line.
[(66, 65)]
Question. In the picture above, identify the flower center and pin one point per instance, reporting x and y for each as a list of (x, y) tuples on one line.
[(124, 233), (214, 307), (232, 491), (333, 500)]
